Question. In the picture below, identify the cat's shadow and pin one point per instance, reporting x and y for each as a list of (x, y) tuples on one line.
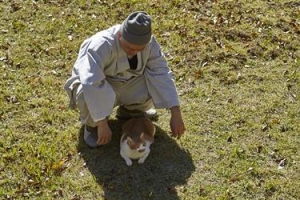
[(161, 176)]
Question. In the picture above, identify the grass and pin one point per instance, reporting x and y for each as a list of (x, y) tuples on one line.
[(236, 65)]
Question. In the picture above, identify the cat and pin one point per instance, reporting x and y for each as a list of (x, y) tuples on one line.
[(137, 136)]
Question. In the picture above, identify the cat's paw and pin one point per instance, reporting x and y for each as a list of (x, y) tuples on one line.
[(141, 160), (128, 162)]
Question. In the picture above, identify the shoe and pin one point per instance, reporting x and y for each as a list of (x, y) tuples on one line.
[(124, 113), (91, 136)]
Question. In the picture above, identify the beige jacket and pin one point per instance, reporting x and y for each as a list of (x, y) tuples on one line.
[(101, 58)]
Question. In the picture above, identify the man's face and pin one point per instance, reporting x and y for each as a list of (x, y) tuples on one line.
[(130, 49)]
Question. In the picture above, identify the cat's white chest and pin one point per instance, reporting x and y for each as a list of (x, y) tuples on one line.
[(128, 154), (133, 154)]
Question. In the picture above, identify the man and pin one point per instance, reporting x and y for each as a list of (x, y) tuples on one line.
[(122, 66)]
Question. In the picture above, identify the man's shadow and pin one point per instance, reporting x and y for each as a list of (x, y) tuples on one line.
[(167, 168)]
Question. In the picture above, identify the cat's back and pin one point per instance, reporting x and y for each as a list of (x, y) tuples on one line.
[(136, 126)]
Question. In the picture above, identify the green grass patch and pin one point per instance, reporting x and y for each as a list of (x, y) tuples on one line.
[(236, 65)]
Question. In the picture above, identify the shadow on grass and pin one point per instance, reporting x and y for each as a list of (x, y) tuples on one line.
[(167, 167)]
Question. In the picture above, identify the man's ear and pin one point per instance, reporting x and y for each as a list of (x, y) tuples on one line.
[(119, 35)]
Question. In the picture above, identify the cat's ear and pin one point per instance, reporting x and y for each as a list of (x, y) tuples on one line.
[(142, 136), (129, 140)]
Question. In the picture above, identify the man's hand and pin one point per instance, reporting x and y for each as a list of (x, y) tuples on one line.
[(176, 123), (104, 132)]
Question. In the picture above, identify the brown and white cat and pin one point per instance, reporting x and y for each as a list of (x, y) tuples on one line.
[(137, 136)]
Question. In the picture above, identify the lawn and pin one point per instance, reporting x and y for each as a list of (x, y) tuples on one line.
[(236, 66)]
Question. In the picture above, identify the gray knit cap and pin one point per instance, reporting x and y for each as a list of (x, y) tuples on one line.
[(136, 28)]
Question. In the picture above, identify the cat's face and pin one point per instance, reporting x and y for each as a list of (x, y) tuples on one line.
[(138, 144)]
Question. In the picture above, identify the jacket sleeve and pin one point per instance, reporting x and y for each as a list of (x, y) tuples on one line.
[(159, 79), (98, 94)]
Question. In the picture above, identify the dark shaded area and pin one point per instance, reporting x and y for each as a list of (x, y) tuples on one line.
[(166, 167)]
